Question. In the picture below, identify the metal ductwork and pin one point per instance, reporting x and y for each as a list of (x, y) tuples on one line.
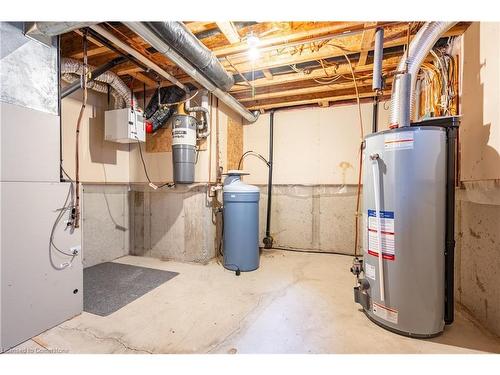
[(53, 28), (180, 38), (410, 63), (179, 45), (72, 70)]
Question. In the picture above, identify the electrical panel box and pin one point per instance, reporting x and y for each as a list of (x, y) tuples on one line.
[(124, 125)]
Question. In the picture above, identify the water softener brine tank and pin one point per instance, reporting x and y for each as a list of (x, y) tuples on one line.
[(241, 223)]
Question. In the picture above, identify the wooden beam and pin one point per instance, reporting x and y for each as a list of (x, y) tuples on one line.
[(227, 28), (98, 47), (350, 43), (314, 101), (367, 41), (267, 73), (128, 70), (200, 26), (318, 73), (144, 78), (310, 90), (308, 30), (93, 51)]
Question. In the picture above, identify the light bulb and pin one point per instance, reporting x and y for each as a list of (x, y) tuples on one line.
[(253, 43), (253, 53)]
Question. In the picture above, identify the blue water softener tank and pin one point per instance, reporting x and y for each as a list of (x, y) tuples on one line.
[(241, 223)]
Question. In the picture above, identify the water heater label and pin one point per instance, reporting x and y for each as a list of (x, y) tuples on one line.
[(388, 240), (399, 141), (385, 313), (370, 271)]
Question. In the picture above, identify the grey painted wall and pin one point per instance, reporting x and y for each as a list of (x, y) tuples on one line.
[(34, 294)]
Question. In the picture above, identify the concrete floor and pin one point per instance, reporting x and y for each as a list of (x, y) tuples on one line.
[(294, 303)]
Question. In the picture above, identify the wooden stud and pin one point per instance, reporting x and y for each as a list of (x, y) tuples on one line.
[(227, 28), (267, 73), (145, 79), (367, 41)]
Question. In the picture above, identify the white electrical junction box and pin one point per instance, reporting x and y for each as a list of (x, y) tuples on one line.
[(124, 125)]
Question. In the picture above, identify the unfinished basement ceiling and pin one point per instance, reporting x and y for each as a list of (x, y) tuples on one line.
[(299, 63)]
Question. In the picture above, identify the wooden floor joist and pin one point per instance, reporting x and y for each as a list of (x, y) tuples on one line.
[(314, 45), (330, 99)]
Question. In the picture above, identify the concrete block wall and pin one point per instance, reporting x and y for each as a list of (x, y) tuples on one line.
[(478, 206), (477, 258), (173, 224), (105, 223), (311, 217)]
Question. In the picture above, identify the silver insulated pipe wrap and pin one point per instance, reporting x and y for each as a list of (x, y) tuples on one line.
[(144, 30), (420, 46), (180, 38)]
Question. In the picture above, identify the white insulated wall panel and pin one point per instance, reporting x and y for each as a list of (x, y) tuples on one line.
[(33, 295), (29, 144)]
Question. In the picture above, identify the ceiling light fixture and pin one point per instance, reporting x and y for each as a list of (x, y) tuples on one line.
[(253, 44)]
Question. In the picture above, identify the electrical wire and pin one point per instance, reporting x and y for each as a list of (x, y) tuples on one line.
[(166, 105), (355, 87), (358, 195), (358, 201), (66, 207), (77, 135), (167, 184)]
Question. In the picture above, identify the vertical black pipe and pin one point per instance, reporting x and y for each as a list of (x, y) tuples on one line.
[(449, 310), (268, 240), (375, 114)]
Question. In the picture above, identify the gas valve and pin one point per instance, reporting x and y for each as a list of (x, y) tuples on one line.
[(357, 267)]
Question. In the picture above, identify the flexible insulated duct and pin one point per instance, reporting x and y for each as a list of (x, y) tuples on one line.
[(420, 47), (180, 38), (120, 90), (157, 116)]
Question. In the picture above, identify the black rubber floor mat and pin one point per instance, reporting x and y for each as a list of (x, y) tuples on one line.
[(107, 287)]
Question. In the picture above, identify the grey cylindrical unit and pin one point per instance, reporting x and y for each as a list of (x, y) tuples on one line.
[(378, 55), (411, 166), (241, 224), (183, 148)]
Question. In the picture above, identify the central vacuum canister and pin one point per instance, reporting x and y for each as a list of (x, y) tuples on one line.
[(241, 223), (183, 148)]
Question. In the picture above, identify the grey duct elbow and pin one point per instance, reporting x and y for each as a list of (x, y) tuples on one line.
[(203, 127)]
